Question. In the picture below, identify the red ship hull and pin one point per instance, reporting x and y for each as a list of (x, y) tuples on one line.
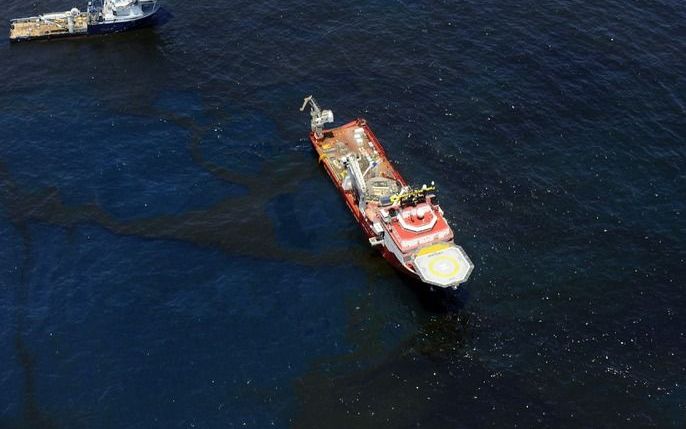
[(405, 223)]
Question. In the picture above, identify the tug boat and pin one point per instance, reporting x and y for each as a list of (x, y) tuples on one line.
[(101, 16), (405, 223)]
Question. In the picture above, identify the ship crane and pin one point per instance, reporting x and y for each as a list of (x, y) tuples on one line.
[(50, 21), (319, 116), (71, 16), (356, 174)]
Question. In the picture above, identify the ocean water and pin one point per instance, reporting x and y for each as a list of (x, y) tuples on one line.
[(172, 256)]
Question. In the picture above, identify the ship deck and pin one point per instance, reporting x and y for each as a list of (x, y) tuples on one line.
[(353, 138), (356, 138), (40, 28)]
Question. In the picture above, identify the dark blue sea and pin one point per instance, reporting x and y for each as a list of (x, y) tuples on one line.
[(172, 255)]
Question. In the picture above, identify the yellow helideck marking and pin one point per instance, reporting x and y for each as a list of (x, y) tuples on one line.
[(439, 259)]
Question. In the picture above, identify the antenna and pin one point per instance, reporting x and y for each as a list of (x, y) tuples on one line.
[(319, 116)]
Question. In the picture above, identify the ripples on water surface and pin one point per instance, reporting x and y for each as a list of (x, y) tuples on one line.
[(172, 255)]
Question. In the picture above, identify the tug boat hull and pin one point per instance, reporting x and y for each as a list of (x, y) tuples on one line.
[(75, 23)]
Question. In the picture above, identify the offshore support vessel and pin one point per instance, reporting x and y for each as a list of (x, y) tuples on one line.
[(101, 16), (405, 223)]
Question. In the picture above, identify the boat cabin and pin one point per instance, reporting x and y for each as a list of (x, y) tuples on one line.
[(121, 9)]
